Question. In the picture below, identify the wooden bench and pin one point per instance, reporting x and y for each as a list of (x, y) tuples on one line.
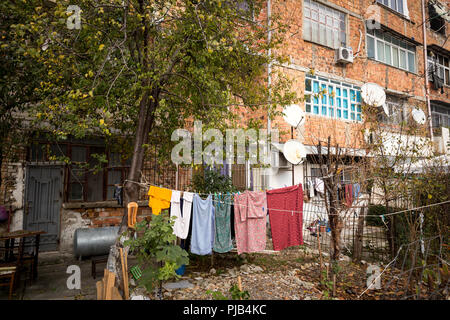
[(94, 261)]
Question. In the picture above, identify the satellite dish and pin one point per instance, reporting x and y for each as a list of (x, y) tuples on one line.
[(373, 94), (294, 115), (419, 116), (386, 109), (294, 151)]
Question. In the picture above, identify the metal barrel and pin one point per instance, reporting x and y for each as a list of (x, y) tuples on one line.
[(94, 241)]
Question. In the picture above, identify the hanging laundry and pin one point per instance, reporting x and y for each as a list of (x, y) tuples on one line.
[(222, 214), (183, 224), (320, 186), (202, 240), (159, 199), (356, 189), (183, 218), (311, 188), (286, 216), (118, 194), (250, 221), (348, 195)]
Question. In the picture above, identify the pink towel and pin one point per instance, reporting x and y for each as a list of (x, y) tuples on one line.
[(250, 210), (286, 225)]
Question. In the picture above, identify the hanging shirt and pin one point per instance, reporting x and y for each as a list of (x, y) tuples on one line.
[(320, 186), (159, 199), (311, 188), (286, 216), (202, 239), (250, 210), (222, 214)]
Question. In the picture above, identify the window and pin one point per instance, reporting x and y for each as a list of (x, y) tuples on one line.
[(440, 116), (439, 65), (88, 179), (398, 112), (397, 5), (117, 171), (436, 15), (332, 99), (324, 25), (386, 48)]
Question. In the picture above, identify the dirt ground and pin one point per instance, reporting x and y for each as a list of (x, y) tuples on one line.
[(292, 274)]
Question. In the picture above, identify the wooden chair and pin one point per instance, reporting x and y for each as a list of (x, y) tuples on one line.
[(10, 268), (8, 273)]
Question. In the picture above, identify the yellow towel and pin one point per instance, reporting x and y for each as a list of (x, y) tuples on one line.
[(159, 199)]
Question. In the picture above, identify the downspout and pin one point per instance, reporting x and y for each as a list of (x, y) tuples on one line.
[(269, 80), (269, 66), (425, 60)]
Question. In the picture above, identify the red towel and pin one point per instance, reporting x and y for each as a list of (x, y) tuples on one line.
[(349, 194), (286, 226)]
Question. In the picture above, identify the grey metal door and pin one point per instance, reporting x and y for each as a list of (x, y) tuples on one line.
[(44, 188)]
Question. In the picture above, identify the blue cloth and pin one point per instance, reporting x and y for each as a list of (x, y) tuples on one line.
[(356, 189), (202, 240)]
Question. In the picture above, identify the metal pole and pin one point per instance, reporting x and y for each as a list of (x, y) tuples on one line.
[(425, 60), (293, 176)]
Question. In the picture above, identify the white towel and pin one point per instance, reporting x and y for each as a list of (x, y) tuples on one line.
[(175, 210), (181, 226)]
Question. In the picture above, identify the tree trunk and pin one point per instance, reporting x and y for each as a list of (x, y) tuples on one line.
[(131, 186)]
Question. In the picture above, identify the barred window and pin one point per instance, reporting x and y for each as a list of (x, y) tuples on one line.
[(332, 99)]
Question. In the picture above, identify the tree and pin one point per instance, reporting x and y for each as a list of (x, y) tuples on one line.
[(19, 75), (140, 68)]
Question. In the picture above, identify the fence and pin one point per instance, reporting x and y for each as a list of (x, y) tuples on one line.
[(374, 245)]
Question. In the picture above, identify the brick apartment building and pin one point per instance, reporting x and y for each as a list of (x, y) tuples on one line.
[(380, 41), (385, 42)]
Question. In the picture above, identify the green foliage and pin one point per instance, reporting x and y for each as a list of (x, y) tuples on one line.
[(235, 294), (211, 181), (180, 59), (155, 251)]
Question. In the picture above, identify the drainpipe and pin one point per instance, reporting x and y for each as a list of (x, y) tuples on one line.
[(269, 79), (425, 60)]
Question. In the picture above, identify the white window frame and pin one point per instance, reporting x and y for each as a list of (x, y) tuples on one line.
[(389, 4), (335, 102), (393, 47), (331, 25)]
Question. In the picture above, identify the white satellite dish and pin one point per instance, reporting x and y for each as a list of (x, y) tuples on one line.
[(386, 109), (419, 116), (294, 115), (373, 95), (294, 151)]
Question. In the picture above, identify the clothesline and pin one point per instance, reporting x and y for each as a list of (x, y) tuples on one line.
[(294, 211)]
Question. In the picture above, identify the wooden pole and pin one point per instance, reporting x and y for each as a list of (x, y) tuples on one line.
[(320, 252)]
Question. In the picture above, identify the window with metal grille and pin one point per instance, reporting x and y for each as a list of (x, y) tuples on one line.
[(332, 99)]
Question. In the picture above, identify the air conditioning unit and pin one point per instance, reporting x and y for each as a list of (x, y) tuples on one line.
[(279, 161), (344, 55)]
